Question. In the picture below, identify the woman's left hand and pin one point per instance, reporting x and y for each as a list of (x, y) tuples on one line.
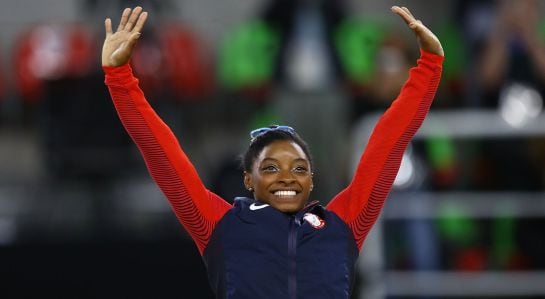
[(426, 39)]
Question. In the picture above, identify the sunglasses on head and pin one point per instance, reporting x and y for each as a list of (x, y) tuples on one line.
[(258, 132)]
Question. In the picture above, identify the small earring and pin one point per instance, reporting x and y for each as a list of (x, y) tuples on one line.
[(250, 189), (311, 187)]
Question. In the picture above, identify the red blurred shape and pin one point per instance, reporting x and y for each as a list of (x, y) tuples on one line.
[(471, 259), (172, 59), (49, 52), (187, 62)]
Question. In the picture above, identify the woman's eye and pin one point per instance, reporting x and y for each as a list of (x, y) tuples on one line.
[(269, 168), (300, 169)]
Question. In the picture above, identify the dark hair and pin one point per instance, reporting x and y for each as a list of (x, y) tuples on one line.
[(261, 141)]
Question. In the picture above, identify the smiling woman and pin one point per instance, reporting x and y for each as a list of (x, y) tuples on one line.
[(277, 169), (276, 244)]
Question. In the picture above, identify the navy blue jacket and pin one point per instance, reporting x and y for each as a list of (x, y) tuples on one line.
[(257, 251)]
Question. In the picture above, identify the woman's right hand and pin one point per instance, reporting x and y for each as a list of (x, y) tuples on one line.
[(118, 46)]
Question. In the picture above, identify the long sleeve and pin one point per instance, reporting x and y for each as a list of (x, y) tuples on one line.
[(197, 208), (361, 202)]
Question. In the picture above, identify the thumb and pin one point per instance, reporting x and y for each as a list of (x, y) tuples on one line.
[(417, 27)]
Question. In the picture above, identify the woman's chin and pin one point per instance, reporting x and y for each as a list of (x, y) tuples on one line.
[(288, 207)]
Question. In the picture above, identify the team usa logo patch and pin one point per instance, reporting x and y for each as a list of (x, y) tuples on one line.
[(314, 220)]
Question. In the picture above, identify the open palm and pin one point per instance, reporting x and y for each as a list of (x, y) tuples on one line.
[(426, 39), (118, 46)]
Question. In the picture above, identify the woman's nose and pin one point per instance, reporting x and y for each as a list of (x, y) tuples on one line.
[(286, 176)]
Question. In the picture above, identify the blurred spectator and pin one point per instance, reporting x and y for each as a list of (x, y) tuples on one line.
[(80, 137), (376, 60), (187, 62), (375, 57), (172, 63), (247, 59), (48, 52), (512, 51), (454, 86), (307, 58), (3, 92), (473, 18), (512, 72), (3, 84), (506, 71), (290, 44)]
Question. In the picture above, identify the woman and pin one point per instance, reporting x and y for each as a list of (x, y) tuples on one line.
[(276, 244)]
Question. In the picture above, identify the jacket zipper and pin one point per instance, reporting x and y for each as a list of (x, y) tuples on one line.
[(295, 222), (292, 254)]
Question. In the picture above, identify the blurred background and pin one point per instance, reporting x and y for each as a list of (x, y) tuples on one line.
[(81, 218)]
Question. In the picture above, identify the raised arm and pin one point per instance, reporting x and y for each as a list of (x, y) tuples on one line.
[(197, 208), (361, 202)]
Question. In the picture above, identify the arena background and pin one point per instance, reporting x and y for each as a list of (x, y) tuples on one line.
[(81, 218)]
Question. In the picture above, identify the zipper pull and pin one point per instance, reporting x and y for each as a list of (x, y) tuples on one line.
[(297, 220)]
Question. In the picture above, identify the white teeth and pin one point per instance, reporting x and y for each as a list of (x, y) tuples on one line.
[(285, 193)]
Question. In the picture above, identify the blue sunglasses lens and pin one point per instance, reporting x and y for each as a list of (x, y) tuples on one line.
[(258, 132)]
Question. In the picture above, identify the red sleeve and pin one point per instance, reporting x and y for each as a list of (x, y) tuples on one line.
[(197, 208), (361, 202)]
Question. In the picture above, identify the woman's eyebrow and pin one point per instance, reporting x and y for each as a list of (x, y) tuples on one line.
[(268, 159), (296, 160)]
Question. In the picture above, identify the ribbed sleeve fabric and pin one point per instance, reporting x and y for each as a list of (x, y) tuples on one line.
[(361, 202), (197, 208)]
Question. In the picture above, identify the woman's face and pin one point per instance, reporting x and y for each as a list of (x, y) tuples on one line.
[(281, 176)]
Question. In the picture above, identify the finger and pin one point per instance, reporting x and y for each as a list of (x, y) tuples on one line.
[(132, 19), (141, 21), (403, 14), (108, 26), (405, 9), (124, 18)]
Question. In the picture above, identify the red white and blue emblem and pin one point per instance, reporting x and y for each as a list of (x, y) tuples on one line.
[(314, 220)]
